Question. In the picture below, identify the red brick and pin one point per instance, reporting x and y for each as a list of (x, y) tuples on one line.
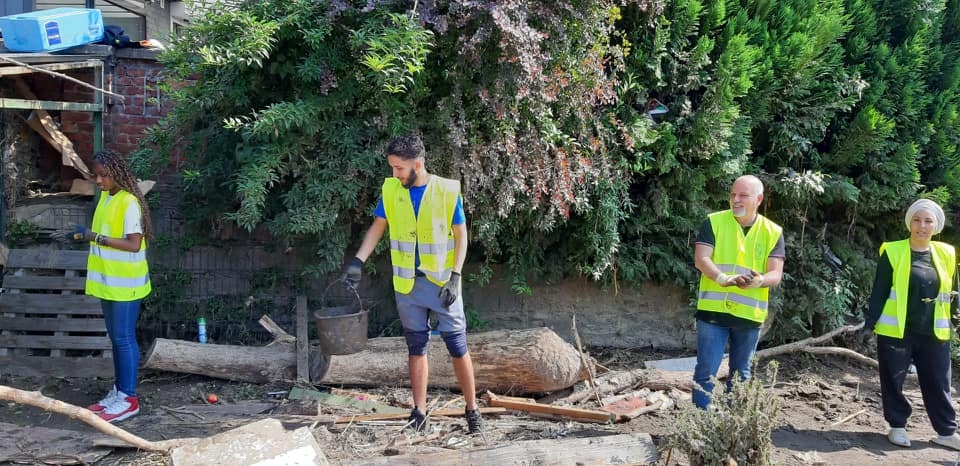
[(128, 81), (134, 71), (81, 137), (128, 91), (76, 116)]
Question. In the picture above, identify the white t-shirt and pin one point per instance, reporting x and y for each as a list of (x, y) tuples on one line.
[(131, 218)]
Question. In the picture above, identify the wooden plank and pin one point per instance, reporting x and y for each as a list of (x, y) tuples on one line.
[(42, 366), (35, 324), (611, 449), (303, 345), (51, 259), (35, 303), (586, 415), (44, 283), (51, 342), (70, 274), (69, 156), (10, 351)]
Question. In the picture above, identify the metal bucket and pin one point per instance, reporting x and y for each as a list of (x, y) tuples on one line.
[(342, 329)]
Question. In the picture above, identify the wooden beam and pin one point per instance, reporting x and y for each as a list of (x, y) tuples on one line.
[(44, 283), (15, 70), (54, 342), (68, 156), (37, 303), (47, 259), (36, 324), (24, 104), (586, 415), (45, 366), (303, 343)]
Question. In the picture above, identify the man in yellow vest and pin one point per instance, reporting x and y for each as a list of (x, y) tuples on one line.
[(428, 246), (910, 309), (740, 255)]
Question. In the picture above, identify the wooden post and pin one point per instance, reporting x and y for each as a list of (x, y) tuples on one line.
[(303, 346)]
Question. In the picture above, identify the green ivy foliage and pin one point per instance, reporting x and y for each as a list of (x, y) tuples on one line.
[(847, 109), (284, 128)]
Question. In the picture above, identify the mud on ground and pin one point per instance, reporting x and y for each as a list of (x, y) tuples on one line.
[(830, 415)]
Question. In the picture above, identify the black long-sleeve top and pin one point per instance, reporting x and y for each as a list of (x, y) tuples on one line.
[(924, 284)]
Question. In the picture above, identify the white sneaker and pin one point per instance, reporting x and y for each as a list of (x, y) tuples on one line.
[(898, 436), (949, 441), (106, 401), (121, 408)]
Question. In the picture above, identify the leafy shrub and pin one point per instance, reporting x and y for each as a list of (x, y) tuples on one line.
[(737, 426)]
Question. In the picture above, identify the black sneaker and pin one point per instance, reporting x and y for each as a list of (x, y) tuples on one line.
[(418, 421), (474, 421)]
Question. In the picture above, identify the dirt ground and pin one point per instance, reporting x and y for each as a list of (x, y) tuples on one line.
[(817, 392)]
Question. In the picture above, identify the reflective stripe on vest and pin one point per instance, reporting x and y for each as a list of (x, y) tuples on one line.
[(736, 298), (114, 274), (735, 253), (893, 319), (430, 230)]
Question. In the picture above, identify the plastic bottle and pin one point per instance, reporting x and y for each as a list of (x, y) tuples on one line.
[(202, 330)]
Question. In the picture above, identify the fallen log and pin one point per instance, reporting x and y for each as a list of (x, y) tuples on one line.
[(506, 361), (806, 342), (275, 362), (254, 364), (657, 380), (842, 352)]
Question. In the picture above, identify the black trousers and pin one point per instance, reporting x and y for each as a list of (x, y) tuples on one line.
[(932, 358)]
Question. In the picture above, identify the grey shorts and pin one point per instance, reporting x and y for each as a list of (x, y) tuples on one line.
[(414, 309)]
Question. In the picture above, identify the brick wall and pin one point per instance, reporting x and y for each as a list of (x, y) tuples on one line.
[(132, 73), (135, 77)]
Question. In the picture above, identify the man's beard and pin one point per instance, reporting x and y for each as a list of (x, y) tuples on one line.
[(739, 211), (411, 179)]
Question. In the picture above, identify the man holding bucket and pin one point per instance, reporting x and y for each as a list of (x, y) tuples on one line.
[(428, 246)]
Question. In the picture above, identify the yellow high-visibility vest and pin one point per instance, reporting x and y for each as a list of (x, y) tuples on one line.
[(114, 274), (430, 230), (893, 319), (735, 253)]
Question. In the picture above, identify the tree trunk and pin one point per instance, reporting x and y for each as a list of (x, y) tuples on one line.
[(505, 361), (275, 362)]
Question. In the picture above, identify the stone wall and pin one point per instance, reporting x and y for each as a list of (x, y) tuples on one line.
[(651, 316)]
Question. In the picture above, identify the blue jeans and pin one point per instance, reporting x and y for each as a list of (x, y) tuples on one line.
[(121, 318), (711, 341)]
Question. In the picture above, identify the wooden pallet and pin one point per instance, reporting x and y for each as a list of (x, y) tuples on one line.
[(47, 325)]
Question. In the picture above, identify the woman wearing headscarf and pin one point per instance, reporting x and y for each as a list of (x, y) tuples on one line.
[(910, 310)]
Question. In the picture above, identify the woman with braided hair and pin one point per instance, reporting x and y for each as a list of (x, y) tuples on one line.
[(117, 274)]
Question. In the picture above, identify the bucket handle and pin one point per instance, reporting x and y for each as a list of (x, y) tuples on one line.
[(323, 297)]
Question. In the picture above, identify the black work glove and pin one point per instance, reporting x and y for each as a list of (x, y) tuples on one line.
[(450, 290), (76, 232), (352, 273)]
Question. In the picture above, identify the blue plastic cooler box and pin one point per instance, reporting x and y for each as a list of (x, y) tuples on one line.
[(50, 30)]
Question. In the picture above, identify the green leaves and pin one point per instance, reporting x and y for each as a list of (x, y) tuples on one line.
[(394, 48), (846, 109)]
